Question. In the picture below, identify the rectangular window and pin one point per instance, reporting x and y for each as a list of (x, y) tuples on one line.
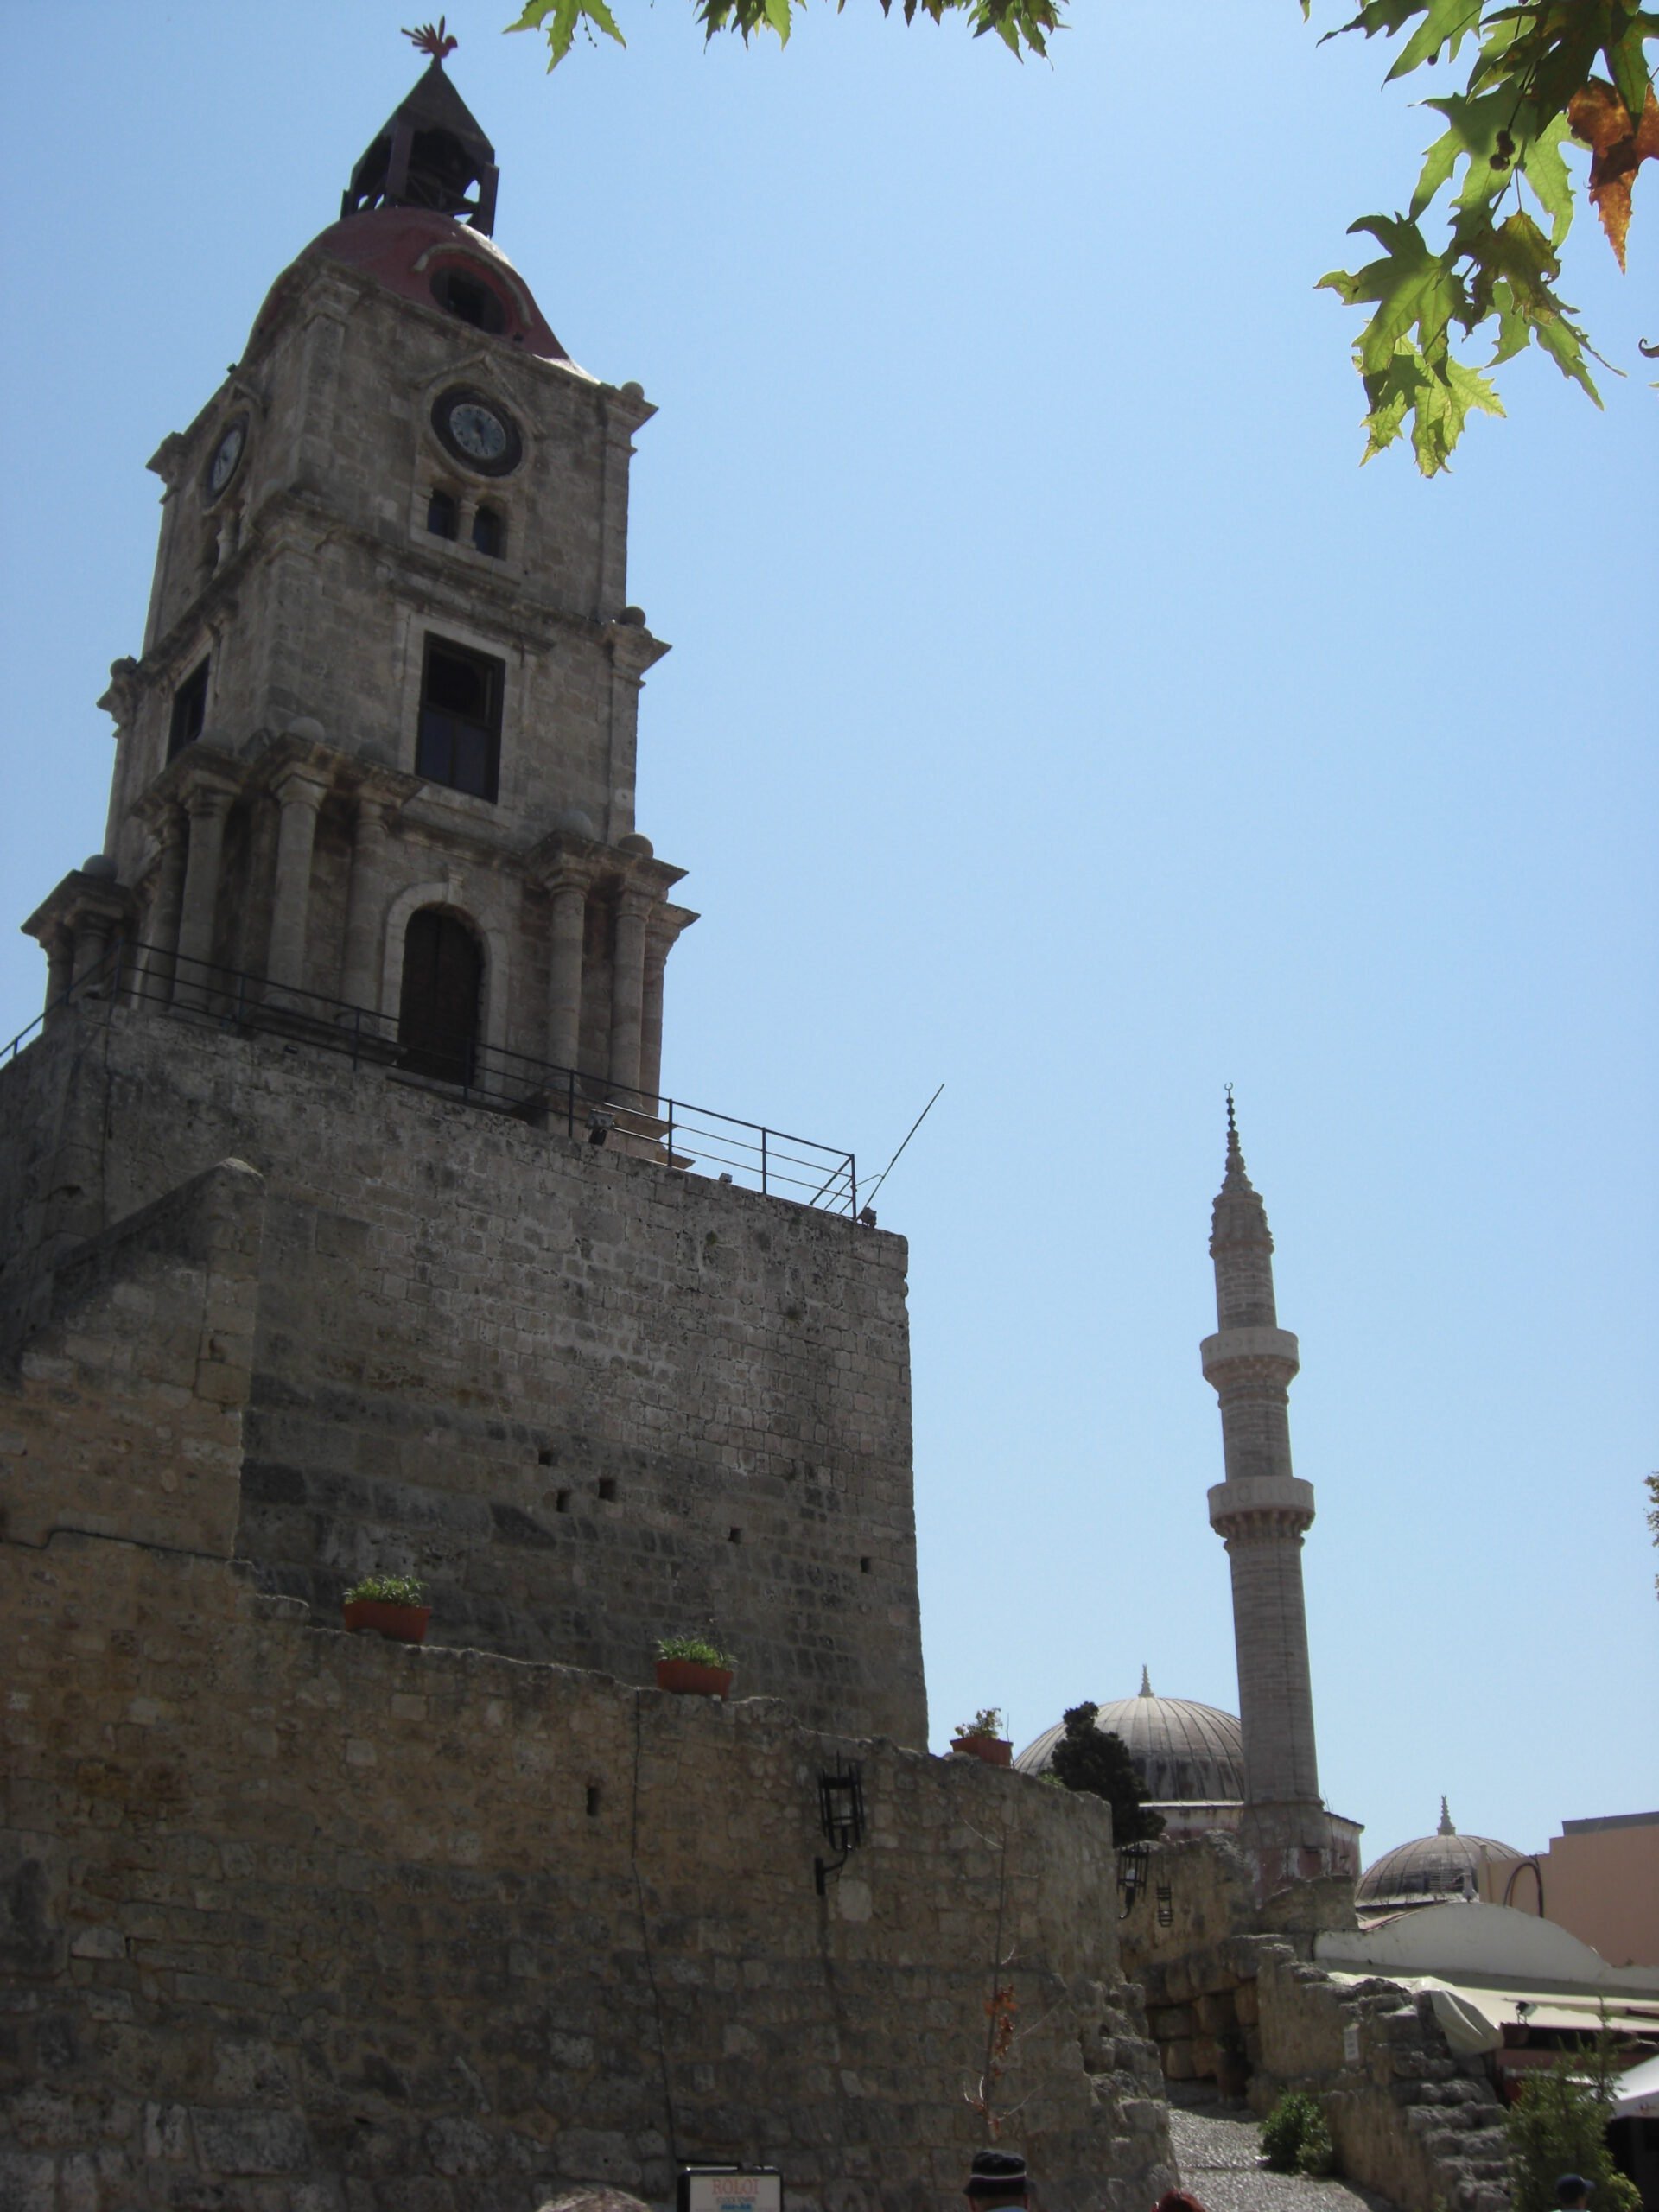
[(189, 711), (460, 739)]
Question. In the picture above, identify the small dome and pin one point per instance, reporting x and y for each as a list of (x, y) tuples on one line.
[(430, 257), (1431, 1868), (1182, 1752)]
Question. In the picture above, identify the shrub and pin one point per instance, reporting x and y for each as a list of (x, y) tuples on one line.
[(987, 1721), (388, 1590), (1294, 2129), (701, 1651), (1558, 2125)]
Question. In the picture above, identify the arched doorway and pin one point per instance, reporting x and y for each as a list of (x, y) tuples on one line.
[(438, 1007)]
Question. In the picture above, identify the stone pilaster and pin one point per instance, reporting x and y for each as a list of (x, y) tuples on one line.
[(300, 796), (364, 896), (166, 901), (208, 803)]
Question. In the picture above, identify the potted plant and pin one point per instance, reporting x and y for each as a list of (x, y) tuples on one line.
[(981, 1738), (694, 1666), (390, 1604)]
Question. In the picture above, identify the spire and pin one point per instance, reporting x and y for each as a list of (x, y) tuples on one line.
[(1240, 1243), (429, 152), (1146, 1683), (1446, 1827)]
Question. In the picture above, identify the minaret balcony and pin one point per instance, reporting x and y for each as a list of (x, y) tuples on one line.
[(1264, 1502), (1272, 1355)]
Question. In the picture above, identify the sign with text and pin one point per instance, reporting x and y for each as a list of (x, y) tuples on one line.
[(730, 2188)]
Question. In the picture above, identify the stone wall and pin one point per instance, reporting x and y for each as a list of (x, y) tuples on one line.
[(591, 1399), (295, 1921), (1407, 2118)]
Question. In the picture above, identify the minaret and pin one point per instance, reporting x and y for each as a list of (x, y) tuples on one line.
[(1260, 1512)]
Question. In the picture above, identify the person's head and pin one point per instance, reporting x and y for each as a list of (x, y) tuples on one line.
[(1572, 2192), (996, 2178)]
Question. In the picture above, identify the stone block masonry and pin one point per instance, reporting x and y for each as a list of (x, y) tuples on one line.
[(591, 1399), (295, 1922)]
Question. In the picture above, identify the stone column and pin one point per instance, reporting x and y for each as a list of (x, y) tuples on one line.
[(569, 892), (59, 972), (92, 932), (156, 959), (659, 938), (628, 988), (300, 795), (207, 805), (359, 982)]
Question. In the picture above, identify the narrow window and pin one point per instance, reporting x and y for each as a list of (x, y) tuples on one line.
[(593, 1801), (469, 299), (437, 1010), (460, 739), (733, 1535), (442, 515), (489, 533), (189, 711), (561, 1502), (864, 1566), (607, 1489)]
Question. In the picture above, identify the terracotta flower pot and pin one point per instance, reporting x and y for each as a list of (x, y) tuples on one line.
[(401, 1623), (995, 1751), (691, 1678)]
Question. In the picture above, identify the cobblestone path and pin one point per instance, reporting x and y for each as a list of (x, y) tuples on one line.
[(1218, 2151)]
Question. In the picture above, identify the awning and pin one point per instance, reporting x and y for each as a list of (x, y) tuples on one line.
[(1475, 2014), (1639, 2092)]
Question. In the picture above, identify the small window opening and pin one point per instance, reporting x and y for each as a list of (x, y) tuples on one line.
[(593, 1801), (189, 711), (546, 1456), (460, 739), (562, 1500), (442, 515), (489, 533), (607, 1489), (733, 1535), (864, 1566), (469, 299)]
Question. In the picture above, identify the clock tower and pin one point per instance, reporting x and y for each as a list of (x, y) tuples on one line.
[(373, 919), (375, 765)]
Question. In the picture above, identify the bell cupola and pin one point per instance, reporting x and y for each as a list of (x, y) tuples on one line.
[(429, 152)]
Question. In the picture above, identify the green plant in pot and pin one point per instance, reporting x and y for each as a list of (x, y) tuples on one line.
[(392, 1605), (981, 1738), (693, 1666)]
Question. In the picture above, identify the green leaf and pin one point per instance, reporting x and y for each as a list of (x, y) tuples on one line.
[(561, 19), (1446, 23), (1546, 172), (1627, 67), (778, 13), (1413, 288)]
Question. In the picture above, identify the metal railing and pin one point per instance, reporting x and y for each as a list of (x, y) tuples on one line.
[(670, 1130)]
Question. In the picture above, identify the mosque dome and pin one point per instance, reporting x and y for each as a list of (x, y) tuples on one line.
[(1182, 1752), (1430, 1870)]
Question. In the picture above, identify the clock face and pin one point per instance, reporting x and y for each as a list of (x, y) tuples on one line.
[(477, 431), (226, 455)]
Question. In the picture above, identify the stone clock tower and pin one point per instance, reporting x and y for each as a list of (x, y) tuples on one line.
[(378, 753), (373, 918)]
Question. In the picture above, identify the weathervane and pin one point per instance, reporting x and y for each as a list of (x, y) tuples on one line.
[(433, 39)]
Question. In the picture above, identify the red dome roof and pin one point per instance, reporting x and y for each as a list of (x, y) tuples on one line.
[(424, 256)]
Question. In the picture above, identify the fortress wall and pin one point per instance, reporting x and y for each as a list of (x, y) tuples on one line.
[(296, 1922), (591, 1399)]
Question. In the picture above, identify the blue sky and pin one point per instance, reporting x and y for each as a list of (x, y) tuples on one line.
[(1057, 712)]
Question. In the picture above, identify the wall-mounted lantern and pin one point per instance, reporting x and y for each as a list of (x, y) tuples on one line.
[(841, 1815), (1131, 1875)]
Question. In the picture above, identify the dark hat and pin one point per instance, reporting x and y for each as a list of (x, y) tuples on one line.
[(996, 2173), (1568, 2186)]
